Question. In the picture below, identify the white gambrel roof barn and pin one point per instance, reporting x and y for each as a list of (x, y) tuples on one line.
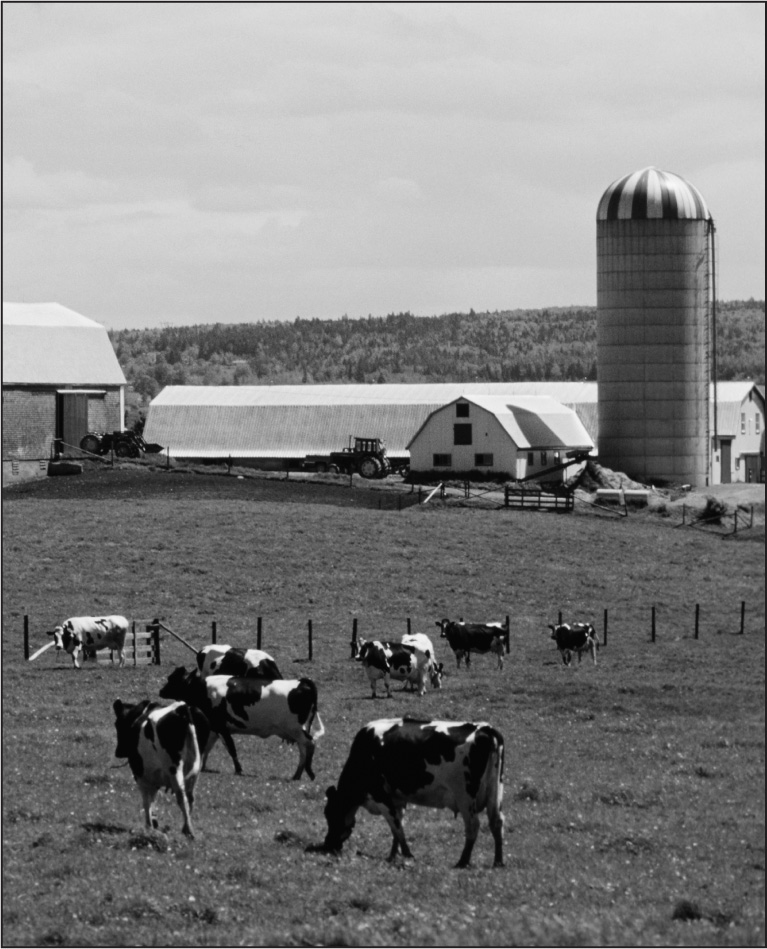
[(49, 344)]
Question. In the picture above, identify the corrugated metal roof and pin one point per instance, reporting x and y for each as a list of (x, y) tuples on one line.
[(652, 194), (279, 430), (438, 393), (48, 344)]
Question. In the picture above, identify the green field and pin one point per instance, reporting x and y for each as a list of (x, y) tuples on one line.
[(634, 791)]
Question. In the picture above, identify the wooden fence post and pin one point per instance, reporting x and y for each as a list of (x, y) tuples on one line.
[(408, 625), (154, 629), (508, 631), (310, 640), (559, 622), (258, 633), (742, 617), (653, 624), (697, 619), (213, 632), (354, 638), (26, 636), (133, 629), (604, 633)]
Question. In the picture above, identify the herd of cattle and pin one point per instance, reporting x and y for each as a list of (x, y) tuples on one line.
[(392, 762)]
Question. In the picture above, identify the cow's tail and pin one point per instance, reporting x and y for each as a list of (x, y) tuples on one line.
[(193, 754), (313, 727), (494, 768)]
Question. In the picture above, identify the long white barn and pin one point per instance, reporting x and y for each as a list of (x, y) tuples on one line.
[(272, 426)]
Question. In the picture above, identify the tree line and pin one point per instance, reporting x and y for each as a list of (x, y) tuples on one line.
[(502, 346)]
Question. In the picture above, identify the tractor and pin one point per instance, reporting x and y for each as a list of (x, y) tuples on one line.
[(123, 444), (364, 456)]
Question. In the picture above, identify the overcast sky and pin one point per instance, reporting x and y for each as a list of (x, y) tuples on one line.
[(214, 162)]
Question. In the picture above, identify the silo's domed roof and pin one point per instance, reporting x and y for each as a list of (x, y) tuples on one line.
[(651, 194)]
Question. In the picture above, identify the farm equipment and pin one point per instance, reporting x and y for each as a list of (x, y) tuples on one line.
[(364, 456), (123, 444)]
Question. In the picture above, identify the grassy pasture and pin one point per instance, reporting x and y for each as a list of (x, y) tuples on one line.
[(629, 788)]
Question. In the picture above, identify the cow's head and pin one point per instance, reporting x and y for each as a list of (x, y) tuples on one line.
[(435, 674), (177, 684), (443, 624), (126, 717), (341, 821)]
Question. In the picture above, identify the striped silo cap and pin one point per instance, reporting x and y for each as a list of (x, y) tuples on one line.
[(652, 194)]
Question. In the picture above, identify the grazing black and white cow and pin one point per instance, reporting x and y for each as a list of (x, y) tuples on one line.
[(231, 661), (89, 633), (466, 638), (399, 761), (385, 660), (575, 637), (243, 706), (163, 746)]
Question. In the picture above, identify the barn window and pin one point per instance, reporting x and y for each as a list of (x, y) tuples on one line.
[(462, 434), (742, 423), (443, 461), (544, 458), (483, 460), (461, 409), (530, 458), (757, 423)]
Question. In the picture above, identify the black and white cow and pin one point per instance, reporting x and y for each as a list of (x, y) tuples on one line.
[(231, 661), (90, 633), (243, 706), (386, 660), (399, 761), (575, 637), (163, 746), (466, 638)]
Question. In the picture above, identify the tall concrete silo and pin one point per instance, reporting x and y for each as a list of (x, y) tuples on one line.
[(654, 239)]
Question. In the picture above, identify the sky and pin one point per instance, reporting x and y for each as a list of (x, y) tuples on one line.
[(173, 163)]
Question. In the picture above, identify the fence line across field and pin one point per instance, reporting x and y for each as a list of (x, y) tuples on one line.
[(143, 646)]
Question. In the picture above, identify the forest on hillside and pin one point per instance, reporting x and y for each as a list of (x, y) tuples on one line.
[(502, 346)]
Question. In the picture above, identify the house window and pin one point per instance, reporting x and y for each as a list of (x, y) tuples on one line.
[(443, 461), (757, 423), (742, 423), (462, 434), (544, 458), (461, 409), (483, 460), (530, 459)]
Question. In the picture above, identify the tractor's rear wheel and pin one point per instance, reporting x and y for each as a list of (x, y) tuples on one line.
[(370, 467), (334, 469), (91, 443)]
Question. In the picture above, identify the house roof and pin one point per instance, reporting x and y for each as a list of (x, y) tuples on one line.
[(49, 344), (532, 422)]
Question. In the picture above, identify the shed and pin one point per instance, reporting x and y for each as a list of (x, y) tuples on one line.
[(498, 435), (61, 379)]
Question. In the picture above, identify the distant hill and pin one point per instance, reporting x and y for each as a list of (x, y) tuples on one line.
[(509, 345)]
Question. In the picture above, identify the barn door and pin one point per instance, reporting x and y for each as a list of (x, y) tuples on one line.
[(726, 469), (72, 418)]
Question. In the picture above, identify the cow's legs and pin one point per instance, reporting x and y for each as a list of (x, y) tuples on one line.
[(393, 817), (183, 802), (148, 795), (122, 657), (566, 656), (305, 753), (387, 684), (229, 742), (495, 818), (212, 739), (76, 653), (471, 823)]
